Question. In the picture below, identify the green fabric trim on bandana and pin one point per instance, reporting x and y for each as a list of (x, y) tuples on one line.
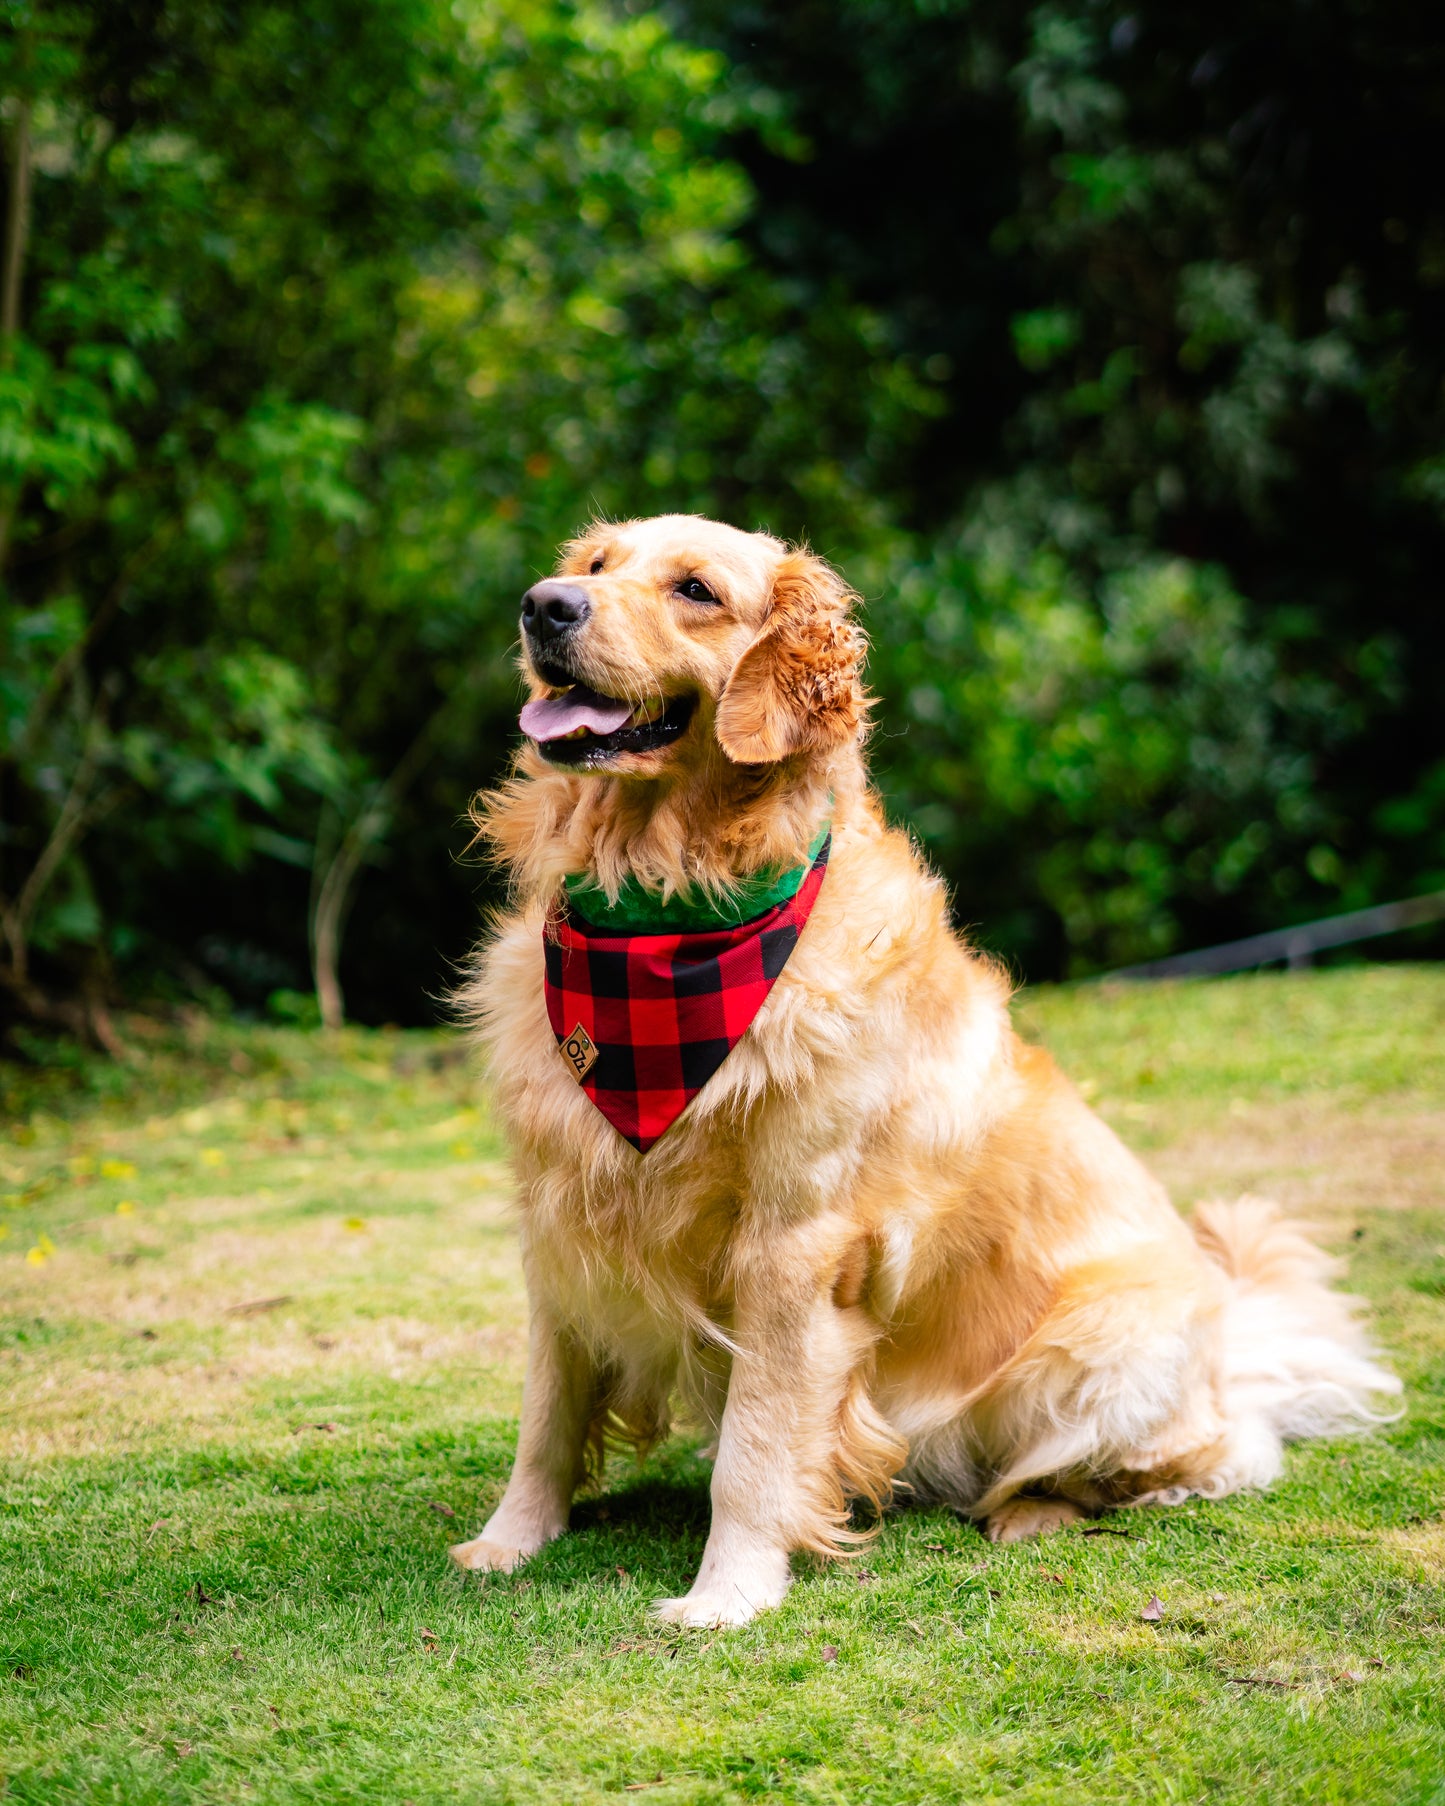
[(641, 911)]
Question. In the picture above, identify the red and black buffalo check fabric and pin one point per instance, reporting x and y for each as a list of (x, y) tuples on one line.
[(663, 1011)]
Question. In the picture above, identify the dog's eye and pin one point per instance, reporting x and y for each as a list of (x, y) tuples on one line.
[(595, 566), (695, 590)]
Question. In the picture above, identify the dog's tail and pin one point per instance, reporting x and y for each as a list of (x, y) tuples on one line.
[(1295, 1360)]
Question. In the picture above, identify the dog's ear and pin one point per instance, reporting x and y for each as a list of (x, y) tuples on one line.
[(799, 686)]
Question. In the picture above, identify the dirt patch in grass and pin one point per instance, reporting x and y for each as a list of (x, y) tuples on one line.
[(1320, 1159)]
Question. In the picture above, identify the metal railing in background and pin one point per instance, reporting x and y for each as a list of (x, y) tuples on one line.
[(1296, 946)]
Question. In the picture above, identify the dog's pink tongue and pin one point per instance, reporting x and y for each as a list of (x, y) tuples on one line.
[(555, 716)]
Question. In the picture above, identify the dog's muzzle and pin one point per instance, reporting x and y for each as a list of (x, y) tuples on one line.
[(551, 610)]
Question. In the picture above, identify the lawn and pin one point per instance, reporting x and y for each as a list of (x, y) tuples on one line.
[(261, 1344)]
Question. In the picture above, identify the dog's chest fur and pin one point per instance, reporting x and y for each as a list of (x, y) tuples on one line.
[(849, 1078)]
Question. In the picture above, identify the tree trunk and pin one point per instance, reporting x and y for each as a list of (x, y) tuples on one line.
[(17, 225), (12, 270)]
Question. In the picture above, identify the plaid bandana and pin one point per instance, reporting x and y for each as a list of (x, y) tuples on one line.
[(645, 1020)]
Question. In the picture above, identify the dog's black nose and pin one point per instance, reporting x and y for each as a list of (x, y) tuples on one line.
[(549, 608)]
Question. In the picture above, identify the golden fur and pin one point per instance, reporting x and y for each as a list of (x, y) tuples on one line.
[(888, 1243)]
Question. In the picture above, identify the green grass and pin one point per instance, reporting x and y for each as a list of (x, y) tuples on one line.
[(243, 1417)]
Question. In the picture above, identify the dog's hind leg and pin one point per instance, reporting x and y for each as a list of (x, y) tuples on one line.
[(1022, 1518), (557, 1404)]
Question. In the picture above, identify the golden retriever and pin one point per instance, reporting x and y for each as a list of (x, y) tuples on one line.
[(887, 1245)]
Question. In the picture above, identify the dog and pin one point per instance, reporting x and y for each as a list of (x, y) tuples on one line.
[(868, 1238)]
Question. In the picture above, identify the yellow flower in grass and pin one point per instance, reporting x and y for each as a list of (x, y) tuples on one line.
[(212, 1157), (41, 1252), (126, 1207), (117, 1169), (355, 1224)]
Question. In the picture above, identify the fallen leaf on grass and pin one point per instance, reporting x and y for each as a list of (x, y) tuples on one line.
[(236, 1655), (442, 1511), (328, 1428), (863, 1576), (830, 1652), (202, 1596), (253, 1305), (1154, 1611), (637, 1786), (429, 1636), (159, 1524)]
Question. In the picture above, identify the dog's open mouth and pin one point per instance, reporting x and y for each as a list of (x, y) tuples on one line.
[(584, 727)]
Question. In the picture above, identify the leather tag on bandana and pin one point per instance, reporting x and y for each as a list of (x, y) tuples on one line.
[(580, 1051)]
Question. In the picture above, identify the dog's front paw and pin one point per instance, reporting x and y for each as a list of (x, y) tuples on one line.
[(1020, 1519), (723, 1599), (713, 1608), (485, 1554)]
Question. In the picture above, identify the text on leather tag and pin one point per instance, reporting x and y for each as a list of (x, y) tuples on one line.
[(580, 1051)]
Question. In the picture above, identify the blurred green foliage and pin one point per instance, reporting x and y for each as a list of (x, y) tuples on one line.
[(1103, 346), (1163, 649)]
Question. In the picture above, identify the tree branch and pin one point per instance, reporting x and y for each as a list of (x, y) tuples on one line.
[(77, 812), (68, 662), (332, 898)]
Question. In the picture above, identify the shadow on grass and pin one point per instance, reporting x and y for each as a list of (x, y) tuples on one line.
[(654, 1506), (649, 1531)]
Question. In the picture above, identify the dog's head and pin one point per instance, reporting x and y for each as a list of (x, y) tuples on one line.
[(658, 640)]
